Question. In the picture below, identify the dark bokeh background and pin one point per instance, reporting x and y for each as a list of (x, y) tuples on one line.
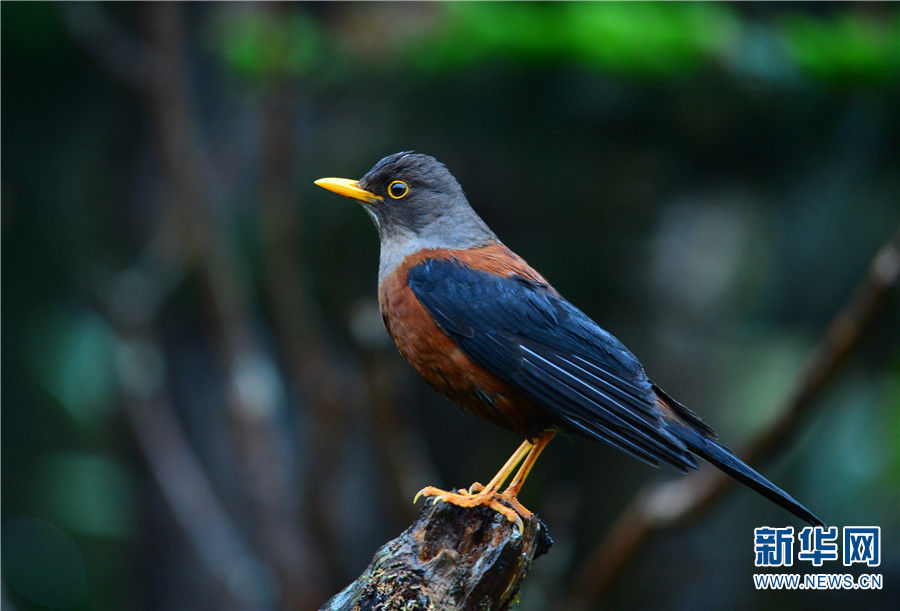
[(200, 407)]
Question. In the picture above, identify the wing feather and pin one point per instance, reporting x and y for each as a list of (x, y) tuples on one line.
[(526, 334)]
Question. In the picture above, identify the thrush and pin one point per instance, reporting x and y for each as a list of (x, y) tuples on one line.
[(488, 331)]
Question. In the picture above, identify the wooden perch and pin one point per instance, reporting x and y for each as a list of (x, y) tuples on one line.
[(449, 558)]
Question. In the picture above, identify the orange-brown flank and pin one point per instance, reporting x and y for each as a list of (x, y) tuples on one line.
[(438, 359)]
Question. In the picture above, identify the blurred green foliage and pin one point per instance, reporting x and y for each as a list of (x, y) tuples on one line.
[(262, 45), (847, 49), (648, 39), (644, 40)]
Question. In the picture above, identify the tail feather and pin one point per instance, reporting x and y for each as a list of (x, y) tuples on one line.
[(725, 460)]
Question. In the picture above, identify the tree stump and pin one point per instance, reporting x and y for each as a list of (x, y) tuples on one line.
[(449, 558)]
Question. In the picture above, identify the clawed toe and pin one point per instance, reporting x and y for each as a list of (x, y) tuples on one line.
[(505, 504)]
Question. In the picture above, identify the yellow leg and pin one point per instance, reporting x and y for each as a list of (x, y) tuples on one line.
[(508, 467), (477, 489), (509, 495), (488, 495)]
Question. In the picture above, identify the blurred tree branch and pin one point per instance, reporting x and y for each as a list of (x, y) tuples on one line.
[(331, 387), (449, 558), (194, 235), (661, 506), (182, 480), (131, 302), (194, 198)]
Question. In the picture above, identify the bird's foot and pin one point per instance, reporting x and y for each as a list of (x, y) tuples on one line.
[(479, 495), (510, 499)]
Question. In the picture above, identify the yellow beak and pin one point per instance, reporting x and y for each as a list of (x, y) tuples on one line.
[(348, 188)]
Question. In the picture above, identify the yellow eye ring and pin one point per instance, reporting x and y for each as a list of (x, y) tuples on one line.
[(398, 189)]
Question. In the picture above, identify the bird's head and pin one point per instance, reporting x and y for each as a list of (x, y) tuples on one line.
[(416, 203)]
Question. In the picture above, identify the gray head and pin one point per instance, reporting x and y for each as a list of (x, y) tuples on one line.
[(416, 203)]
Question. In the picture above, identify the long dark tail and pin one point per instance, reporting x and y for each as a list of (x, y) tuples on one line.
[(725, 460)]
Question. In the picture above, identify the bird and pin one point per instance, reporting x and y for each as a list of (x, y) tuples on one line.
[(487, 330)]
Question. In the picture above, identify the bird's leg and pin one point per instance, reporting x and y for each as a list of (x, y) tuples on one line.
[(476, 488), (509, 495), (485, 495)]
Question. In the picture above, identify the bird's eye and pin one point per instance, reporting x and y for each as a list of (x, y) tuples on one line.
[(398, 189)]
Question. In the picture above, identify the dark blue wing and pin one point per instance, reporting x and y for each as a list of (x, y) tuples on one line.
[(530, 337)]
